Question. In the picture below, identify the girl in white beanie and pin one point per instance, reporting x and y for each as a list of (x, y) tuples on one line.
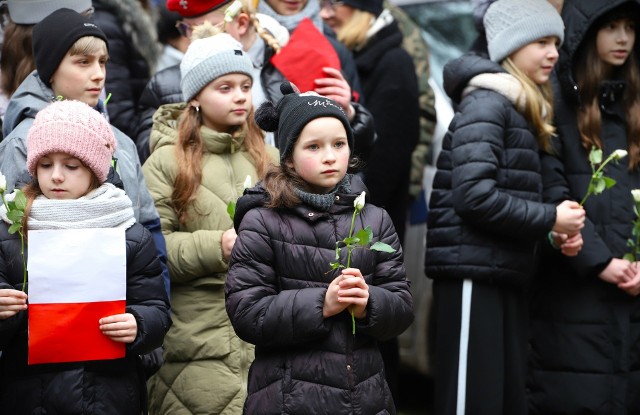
[(487, 218), (203, 151)]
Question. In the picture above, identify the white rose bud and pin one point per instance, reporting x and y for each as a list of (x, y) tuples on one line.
[(3, 183), (618, 154), (359, 202), (247, 182), (636, 195)]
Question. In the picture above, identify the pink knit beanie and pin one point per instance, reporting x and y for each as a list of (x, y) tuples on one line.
[(74, 128)]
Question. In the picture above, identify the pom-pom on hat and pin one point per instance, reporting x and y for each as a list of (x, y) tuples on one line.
[(74, 128), (194, 8), (33, 11), (512, 24), (372, 6), (293, 112), (210, 58), (54, 36)]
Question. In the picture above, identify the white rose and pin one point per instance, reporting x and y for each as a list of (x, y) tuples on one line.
[(359, 202)]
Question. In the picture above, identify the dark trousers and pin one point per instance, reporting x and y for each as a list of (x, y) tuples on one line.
[(480, 352)]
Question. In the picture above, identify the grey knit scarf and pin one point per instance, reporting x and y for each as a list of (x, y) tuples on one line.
[(311, 10), (104, 207), (324, 201)]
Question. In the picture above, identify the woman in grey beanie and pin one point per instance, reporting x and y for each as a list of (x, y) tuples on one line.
[(486, 214)]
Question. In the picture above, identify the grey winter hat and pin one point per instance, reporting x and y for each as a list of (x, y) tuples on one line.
[(33, 11), (210, 58), (512, 24)]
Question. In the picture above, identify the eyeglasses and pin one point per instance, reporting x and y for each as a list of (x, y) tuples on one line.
[(331, 3)]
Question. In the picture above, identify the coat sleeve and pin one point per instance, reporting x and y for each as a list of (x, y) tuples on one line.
[(146, 296), (261, 314), (390, 305), (190, 255), (9, 327), (13, 162), (477, 146), (595, 255)]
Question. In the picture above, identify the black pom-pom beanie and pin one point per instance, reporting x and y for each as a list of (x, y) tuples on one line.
[(293, 112), (54, 36)]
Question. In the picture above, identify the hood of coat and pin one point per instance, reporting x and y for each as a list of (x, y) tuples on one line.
[(137, 23), (30, 97), (459, 72), (579, 16)]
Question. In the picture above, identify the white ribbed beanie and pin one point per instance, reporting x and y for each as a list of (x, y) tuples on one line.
[(512, 24)]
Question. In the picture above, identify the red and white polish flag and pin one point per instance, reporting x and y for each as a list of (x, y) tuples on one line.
[(75, 278)]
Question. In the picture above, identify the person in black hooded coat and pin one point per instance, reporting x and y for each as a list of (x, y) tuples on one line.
[(585, 311)]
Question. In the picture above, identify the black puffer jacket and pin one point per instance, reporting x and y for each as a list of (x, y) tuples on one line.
[(133, 53), (584, 349), (485, 213), (275, 290), (95, 387)]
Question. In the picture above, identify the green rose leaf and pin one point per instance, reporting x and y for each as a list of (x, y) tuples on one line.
[(382, 247), (20, 200), (595, 156), (231, 209), (15, 216), (365, 235), (15, 227)]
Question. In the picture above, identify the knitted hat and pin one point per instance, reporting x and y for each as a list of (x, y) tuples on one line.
[(74, 128), (512, 24), (33, 11), (372, 6), (293, 112), (194, 8), (54, 36), (210, 58)]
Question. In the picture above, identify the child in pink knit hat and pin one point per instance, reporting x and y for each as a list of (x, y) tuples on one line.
[(69, 150)]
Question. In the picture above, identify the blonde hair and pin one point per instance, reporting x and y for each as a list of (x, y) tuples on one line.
[(353, 34), (538, 107), (206, 29), (88, 45)]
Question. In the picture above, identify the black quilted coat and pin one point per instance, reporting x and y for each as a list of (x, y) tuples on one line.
[(94, 387), (585, 345), (278, 277), (485, 213)]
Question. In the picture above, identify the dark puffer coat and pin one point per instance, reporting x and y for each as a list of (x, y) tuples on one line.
[(94, 387), (278, 278), (585, 344), (390, 86), (133, 54), (485, 213)]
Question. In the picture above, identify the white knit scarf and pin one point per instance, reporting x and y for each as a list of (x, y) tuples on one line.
[(104, 207)]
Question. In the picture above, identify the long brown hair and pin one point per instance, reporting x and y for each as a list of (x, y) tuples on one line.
[(190, 149), (588, 79), (17, 56)]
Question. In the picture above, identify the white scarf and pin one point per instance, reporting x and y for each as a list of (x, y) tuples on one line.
[(104, 207)]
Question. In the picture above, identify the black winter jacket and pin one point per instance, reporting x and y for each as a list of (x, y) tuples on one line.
[(391, 88), (275, 290), (93, 387), (485, 212), (133, 53), (584, 349)]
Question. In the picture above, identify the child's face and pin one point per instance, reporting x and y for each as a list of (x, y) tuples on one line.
[(615, 40), (81, 77), (62, 176), (225, 102), (287, 7), (537, 58), (321, 154)]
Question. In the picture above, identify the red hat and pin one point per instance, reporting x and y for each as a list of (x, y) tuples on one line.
[(193, 8)]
